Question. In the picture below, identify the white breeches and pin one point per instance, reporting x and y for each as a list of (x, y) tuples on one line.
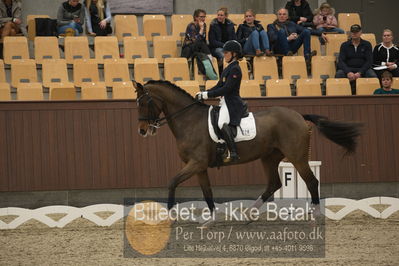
[(224, 116)]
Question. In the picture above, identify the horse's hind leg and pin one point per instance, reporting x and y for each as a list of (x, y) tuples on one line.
[(270, 165), (307, 175), (203, 180)]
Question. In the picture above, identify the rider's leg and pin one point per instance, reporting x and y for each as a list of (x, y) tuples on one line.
[(228, 136)]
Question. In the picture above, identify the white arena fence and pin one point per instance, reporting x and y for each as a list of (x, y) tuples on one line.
[(293, 188)]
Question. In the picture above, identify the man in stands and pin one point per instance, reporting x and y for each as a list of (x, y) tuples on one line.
[(355, 58), (10, 20)]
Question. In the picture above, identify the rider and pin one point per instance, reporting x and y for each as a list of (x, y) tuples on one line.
[(228, 89)]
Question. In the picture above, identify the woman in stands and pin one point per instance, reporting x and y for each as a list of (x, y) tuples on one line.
[(386, 55), (221, 30), (70, 18), (324, 19), (98, 17), (10, 21), (195, 37), (232, 107), (252, 36), (299, 12)]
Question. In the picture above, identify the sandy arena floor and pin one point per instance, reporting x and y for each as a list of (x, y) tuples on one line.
[(358, 239)]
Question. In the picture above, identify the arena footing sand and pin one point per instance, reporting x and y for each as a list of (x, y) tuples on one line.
[(358, 239)]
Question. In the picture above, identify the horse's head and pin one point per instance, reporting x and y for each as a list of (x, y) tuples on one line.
[(149, 109)]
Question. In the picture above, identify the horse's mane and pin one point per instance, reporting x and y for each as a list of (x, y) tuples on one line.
[(174, 87)]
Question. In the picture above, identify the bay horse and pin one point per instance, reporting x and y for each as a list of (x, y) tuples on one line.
[(281, 132)]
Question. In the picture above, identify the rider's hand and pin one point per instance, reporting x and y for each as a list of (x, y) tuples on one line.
[(202, 95)]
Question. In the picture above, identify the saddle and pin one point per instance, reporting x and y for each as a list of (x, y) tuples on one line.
[(246, 131)]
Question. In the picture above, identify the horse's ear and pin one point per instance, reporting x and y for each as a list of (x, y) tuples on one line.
[(137, 86)]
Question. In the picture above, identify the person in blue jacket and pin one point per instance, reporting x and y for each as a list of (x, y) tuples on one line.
[(232, 107), (221, 30)]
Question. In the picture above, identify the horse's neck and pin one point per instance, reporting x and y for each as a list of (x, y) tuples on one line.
[(174, 103)]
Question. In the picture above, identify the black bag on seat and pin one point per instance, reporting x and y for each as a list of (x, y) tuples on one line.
[(46, 27)]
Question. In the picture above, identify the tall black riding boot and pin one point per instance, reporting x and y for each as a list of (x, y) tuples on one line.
[(228, 136)]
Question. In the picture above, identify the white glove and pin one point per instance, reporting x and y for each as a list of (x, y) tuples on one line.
[(202, 95)]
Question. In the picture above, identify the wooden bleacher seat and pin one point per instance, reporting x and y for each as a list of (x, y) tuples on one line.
[(176, 69), (337, 87), (266, 19), (308, 87), (210, 84), (46, 48), (123, 90), (32, 25), (191, 86), (366, 86), (323, 67), (76, 47), (135, 47), (32, 91), (294, 67), (370, 37), (250, 88), (2, 72), (334, 43), (346, 20), (179, 25), (23, 71), (62, 91), (85, 70), (202, 78), (106, 47), (237, 19), (15, 48), (125, 26), (93, 91), (116, 70), (154, 25), (164, 47), (395, 83), (146, 69), (5, 93), (314, 46), (54, 71), (265, 68), (278, 88)]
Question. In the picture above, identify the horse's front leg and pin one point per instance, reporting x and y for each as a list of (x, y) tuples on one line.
[(203, 180), (188, 171)]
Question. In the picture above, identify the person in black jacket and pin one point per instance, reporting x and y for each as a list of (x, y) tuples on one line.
[(221, 30), (252, 37), (355, 58), (386, 54), (232, 107), (299, 12)]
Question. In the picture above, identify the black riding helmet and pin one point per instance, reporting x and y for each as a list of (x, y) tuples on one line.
[(233, 46)]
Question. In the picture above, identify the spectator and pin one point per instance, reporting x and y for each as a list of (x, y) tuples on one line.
[(252, 37), (386, 81), (70, 18), (286, 37), (10, 21), (98, 17), (195, 37), (221, 30), (355, 58), (324, 19), (299, 12), (386, 54)]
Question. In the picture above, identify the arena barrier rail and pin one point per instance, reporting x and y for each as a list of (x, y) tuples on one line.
[(90, 212)]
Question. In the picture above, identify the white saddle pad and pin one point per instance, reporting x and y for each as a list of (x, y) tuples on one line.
[(246, 131)]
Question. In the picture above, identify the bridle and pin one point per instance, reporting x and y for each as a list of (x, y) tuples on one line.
[(152, 119)]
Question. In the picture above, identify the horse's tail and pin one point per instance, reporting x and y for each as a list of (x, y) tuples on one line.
[(342, 133)]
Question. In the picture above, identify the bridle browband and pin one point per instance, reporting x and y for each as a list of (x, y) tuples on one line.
[(152, 119)]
